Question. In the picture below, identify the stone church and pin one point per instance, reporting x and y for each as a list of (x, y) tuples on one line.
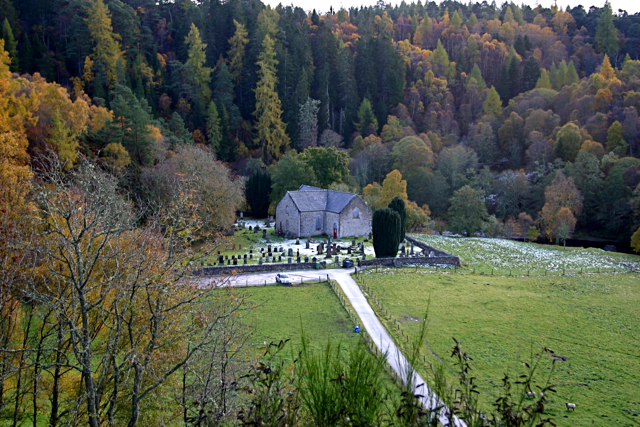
[(312, 211)]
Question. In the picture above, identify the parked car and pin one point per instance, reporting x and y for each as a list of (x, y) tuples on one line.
[(283, 278)]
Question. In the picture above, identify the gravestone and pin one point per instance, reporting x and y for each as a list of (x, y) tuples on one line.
[(250, 256), (250, 228), (245, 261), (281, 249), (264, 234), (269, 248), (411, 248), (234, 247), (228, 262), (314, 259), (306, 259), (241, 215), (328, 253), (290, 252), (279, 258), (250, 251), (402, 250), (307, 244), (235, 262), (255, 230), (260, 261), (267, 223), (268, 239), (297, 241), (348, 251), (226, 257), (298, 259), (245, 256), (337, 260), (353, 243), (319, 249), (263, 254), (267, 260), (289, 260), (364, 257)]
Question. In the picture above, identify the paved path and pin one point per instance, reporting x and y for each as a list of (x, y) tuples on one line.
[(370, 322)]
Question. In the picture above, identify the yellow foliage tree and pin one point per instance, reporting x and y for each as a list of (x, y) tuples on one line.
[(392, 186)]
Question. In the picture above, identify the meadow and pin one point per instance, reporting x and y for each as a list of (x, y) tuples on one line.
[(504, 256), (590, 319)]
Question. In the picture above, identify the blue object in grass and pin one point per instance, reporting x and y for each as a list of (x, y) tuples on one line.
[(356, 329)]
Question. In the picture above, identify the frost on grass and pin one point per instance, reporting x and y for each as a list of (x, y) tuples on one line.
[(502, 254)]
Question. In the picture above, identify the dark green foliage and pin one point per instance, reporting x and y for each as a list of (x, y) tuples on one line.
[(398, 205), (257, 192), (10, 44), (131, 125), (530, 74), (386, 226)]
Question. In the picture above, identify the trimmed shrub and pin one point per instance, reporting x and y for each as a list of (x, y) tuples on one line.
[(386, 232), (398, 205)]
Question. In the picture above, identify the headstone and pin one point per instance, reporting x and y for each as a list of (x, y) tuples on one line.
[(260, 261), (250, 251), (297, 241), (353, 242), (319, 249), (245, 261), (289, 260), (281, 249), (255, 230), (250, 228), (220, 260), (402, 250), (290, 252), (279, 258), (263, 254), (364, 257), (235, 262), (268, 239), (234, 247), (306, 259), (307, 244), (411, 248), (218, 252), (269, 248), (245, 256), (328, 256), (241, 215), (228, 262), (226, 257), (314, 259), (267, 223), (268, 258), (334, 248), (298, 259), (348, 251), (337, 260), (250, 256)]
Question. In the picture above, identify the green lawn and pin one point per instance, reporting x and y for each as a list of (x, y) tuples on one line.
[(592, 319), (282, 311)]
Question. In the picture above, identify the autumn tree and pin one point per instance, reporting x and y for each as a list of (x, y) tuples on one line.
[(214, 130), (392, 186), (492, 105), (106, 46), (606, 33), (615, 139), (199, 74), (562, 193), (236, 51), (270, 129)]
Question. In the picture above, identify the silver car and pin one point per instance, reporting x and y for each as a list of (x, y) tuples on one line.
[(283, 278)]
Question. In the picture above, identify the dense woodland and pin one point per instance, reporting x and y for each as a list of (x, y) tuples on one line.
[(496, 98), (133, 131)]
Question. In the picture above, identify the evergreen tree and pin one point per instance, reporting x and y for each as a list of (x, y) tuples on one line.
[(10, 45), (214, 131), (606, 33), (385, 227), (270, 129), (544, 81), (568, 142), (556, 82), (308, 119), (258, 192), (477, 74), (456, 21), (615, 139), (508, 15), (518, 45), (398, 205), (530, 74), (562, 74), (472, 21), (571, 76), (178, 133), (62, 137), (367, 122), (226, 151), (132, 119)]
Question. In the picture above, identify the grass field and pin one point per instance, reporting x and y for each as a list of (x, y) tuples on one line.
[(502, 256), (282, 311), (592, 319)]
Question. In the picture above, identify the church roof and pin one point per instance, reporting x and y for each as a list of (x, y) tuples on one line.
[(308, 199)]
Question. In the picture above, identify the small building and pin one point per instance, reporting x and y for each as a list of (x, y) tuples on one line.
[(312, 211)]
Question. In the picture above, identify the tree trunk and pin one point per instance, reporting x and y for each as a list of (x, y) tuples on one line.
[(55, 392)]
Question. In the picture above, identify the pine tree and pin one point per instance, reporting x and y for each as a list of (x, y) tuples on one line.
[(226, 151), (513, 75), (199, 74), (492, 105), (385, 227), (214, 132), (606, 33), (271, 135), (10, 45), (472, 21), (131, 122), (544, 81), (367, 122), (238, 44)]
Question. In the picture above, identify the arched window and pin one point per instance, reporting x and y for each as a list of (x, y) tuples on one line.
[(286, 209), (356, 213), (318, 222)]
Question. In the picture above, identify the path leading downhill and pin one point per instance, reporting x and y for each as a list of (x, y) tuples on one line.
[(370, 322)]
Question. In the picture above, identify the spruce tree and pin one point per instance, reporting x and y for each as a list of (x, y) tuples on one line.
[(398, 205), (606, 33), (385, 227), (530, 74), (10, 45), (131, 122), (214, 132)]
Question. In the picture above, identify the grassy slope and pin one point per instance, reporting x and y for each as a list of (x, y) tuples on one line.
[(591, 319), (283, 310)]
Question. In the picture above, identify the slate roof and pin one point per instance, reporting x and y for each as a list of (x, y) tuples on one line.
[(308, 199)]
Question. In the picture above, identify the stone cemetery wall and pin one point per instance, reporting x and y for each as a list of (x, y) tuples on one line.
[(239, 269), (400, 261), (426, 248)]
